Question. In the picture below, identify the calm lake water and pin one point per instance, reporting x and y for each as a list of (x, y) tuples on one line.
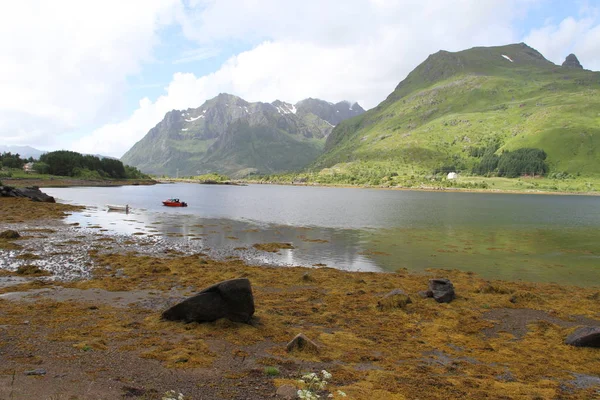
[(507, 236)]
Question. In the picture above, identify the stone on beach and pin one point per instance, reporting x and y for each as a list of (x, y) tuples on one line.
[(302, 343), (231, 299), (10, 234), (33, 192), (287, 392), (397, 298), (442, 290), (587, 336)]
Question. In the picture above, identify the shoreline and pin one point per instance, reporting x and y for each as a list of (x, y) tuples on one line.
[(102, 337), (60, 182), (431, 189), (63, 182)]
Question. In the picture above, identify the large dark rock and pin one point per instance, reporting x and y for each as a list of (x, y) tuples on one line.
[(230, 299), (588, 336), (34, 193), (572, 62), (442, 290)]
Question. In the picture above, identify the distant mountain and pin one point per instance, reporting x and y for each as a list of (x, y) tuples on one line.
[(332, 113), (230, 135), (23, 151), (454, 105)]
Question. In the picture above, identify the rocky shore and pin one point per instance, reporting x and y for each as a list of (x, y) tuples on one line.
[(32, 192), (68, 182), (80, 318)]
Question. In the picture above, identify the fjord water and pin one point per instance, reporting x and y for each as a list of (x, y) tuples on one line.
[(507, 236)]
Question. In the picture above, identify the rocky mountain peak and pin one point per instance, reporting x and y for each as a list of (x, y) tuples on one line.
[(283, 107), (332, 113), (230, 135), (226, 99), (572, 62)]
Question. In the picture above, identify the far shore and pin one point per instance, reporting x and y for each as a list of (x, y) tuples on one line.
[(68, 182), (243, 182), (73, 182), (431, 188)]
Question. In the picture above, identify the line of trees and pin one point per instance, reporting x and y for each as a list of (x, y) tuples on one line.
[(511, 164), (71, 163), (9, 160)]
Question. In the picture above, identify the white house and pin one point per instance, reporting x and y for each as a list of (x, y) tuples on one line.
[(28, 167), (452, 175)]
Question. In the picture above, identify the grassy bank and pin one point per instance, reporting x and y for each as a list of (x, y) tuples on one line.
[(349, 178), (496, 340), (41, 180)]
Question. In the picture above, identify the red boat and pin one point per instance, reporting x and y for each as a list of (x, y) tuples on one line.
[(174, 203)]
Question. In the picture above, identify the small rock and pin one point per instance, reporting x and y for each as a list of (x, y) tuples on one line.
[(506, 377), (130, 391), (307, 277), (302, 343), (40, 371), (442, 290), (394, 299), (595, 296), (10, 234), (524, 297), (425, 293), (587, 336), (287, 392)]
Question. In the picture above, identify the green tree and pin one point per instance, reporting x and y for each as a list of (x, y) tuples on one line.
[(41, 167), (526, 161)]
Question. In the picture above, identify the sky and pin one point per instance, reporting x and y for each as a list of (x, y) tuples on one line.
[(94, 76)]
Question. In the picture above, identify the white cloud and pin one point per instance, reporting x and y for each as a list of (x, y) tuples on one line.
[(580, 36), (63, 63), (203, 53)]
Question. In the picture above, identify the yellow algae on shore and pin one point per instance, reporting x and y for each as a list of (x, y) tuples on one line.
[(15, 210)]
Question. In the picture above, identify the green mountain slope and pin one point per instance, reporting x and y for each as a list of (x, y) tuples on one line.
[(455, 103), (230, 135)]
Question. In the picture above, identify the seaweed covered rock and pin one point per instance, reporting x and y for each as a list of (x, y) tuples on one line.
[(231, 299), (33, 192), (587, 336), (442, 290), (287, 392), (302, 343), (397, 298), (9, 234)]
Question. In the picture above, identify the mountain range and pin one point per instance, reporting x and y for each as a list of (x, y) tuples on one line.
[(229, 135), (442, 116), (454, 105)]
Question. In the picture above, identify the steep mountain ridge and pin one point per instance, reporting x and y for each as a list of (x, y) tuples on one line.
[(229, 135), (454, 103)]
